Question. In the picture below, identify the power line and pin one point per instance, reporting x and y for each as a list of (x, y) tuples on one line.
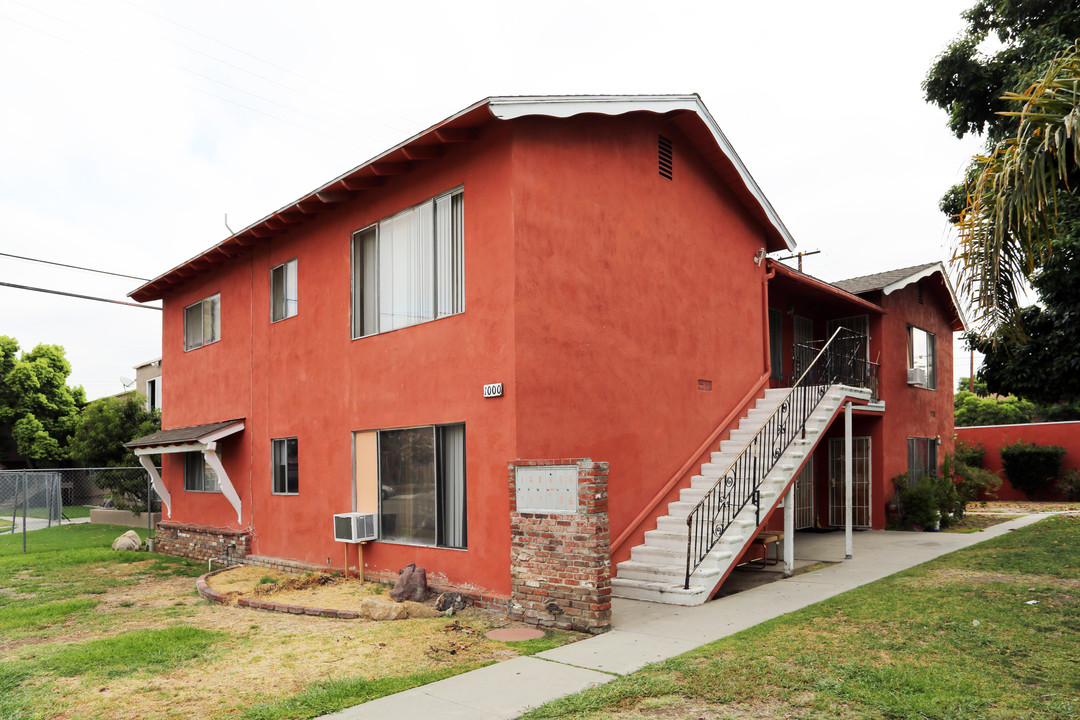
[(73, 267), (81, 297)]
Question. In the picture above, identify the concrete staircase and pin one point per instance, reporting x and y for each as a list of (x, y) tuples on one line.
[(656, 570)]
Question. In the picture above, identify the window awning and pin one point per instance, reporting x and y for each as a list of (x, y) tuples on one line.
[(193, 438)]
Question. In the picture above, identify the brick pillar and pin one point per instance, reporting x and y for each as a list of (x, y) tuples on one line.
[(560, 550)]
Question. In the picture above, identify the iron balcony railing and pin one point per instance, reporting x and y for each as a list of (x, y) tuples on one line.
[(841, 360)]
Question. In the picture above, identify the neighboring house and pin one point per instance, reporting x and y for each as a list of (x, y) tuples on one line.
[(148, 382), (531, 282)]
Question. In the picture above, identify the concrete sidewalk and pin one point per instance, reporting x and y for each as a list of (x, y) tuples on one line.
[(644, 632)]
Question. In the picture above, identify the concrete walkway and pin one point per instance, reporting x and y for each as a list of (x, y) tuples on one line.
[(644, 632)]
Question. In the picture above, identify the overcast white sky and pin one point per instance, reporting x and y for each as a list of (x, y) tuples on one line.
[(129, 130)]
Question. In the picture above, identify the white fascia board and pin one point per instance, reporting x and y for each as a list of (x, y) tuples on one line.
[(163, 449), (508, 108), (916, 277), (159, 485), (223, 432)]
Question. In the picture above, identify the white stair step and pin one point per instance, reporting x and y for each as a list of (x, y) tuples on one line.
[(649, 572), (659, 593)]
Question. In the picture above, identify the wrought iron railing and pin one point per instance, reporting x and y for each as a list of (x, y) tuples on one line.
[(842, 359)]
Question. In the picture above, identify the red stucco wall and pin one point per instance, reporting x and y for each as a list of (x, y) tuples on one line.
[(994, 437), (598, 292)]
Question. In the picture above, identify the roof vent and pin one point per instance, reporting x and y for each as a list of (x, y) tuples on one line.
[(665, 157)]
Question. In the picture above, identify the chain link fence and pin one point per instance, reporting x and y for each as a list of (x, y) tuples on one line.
[(35, 499)]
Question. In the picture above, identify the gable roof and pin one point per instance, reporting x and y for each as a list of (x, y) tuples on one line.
[(889, 280), (687, 112), (892, 280)]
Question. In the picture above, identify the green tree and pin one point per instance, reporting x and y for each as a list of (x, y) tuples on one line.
[(1008, 211), (106, 424), (964, 384), (1043, 363), (37, 407), (971, 410)]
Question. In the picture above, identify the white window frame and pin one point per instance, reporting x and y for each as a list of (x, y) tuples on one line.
[(153, 394), (207, 306), (929, 363), (426, 241), (198, 475), (283, 285), (277, 466)]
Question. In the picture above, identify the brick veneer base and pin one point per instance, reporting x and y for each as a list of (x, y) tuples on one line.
[(560, 564), (201, 543)]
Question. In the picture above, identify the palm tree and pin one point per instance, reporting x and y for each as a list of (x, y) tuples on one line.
[(1006, 229)]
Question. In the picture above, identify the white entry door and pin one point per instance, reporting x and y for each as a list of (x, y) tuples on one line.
[(860, 486)]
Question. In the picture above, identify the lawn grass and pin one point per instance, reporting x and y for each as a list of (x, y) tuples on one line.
[(333, 695), (129, 652), (955, 639), (86, 631), (48, 586)]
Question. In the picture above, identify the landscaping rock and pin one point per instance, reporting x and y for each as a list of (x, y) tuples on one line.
[(419, 610), (377, 609), (411, 584), (128, 541), (450, 602)]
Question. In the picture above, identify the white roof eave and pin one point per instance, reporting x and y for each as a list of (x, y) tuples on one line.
[(925, 273), (508, 108)]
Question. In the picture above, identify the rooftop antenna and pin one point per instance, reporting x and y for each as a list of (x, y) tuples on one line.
[(126, 382), (227, 224)]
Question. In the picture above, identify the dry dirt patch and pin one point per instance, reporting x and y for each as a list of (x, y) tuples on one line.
[(312, 590), (266, 655)]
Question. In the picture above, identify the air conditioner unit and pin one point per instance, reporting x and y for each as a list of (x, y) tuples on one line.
[(916, 376), (356, 527)]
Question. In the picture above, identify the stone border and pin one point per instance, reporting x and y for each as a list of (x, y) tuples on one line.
[(214, 596)]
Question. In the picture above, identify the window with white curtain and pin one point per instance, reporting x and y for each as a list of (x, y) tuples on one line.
[(283, 291), (202, 322), (422, 486), (408, 268)]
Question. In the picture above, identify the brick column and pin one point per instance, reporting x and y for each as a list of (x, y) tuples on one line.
[(560, 551)]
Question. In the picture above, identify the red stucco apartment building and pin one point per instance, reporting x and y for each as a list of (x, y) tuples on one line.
[(600, 262)]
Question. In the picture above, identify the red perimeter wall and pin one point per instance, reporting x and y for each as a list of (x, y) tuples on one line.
[(993, 437)]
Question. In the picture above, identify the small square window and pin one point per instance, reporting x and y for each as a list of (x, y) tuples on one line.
[(283, 291), (286, 464), (202, 322), (198, 475)]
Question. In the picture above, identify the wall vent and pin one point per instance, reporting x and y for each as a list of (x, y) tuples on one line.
[(665, 157), (920, 294)]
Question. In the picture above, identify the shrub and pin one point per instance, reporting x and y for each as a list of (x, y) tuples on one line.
[(1069, 485), (932, 500), (918, 503), (970, 453), (1031, 468)]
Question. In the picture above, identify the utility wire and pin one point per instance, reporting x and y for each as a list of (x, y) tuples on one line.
[(73, 267), (81, 297)]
